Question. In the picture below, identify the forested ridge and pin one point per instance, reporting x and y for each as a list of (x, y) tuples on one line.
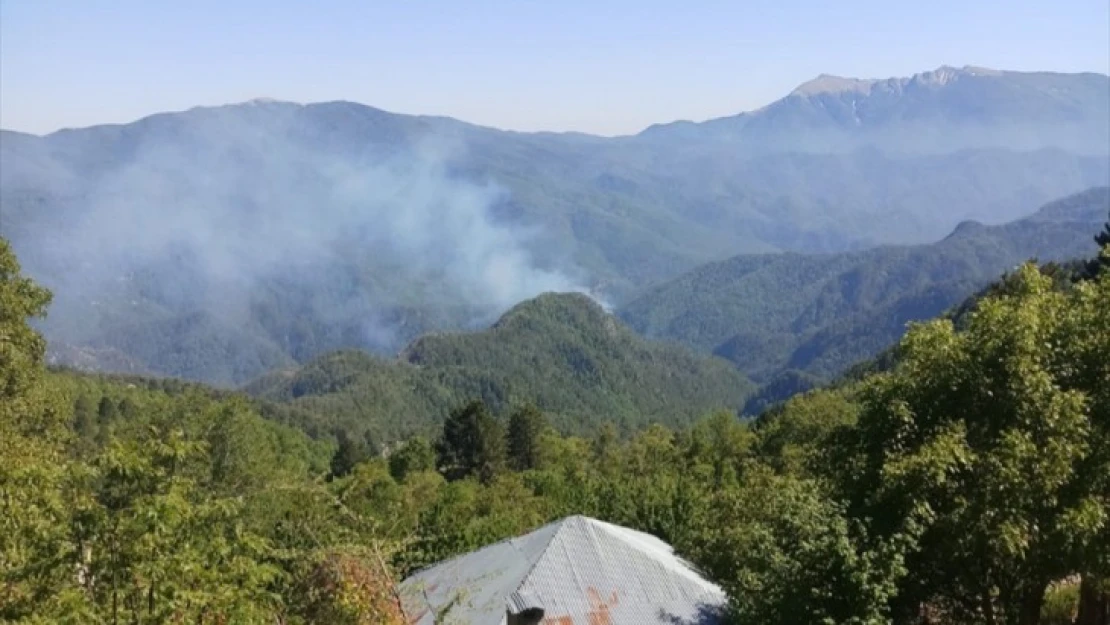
[(965, 480), (817, 314), (560, 351)]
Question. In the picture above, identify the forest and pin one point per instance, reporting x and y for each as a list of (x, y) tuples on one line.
[(963, 477)]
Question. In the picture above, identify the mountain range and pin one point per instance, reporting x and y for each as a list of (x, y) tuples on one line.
[(940, 111), (219, 243), (821, 313), (797, 321)]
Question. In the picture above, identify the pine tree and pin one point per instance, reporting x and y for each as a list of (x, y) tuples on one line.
[(473, 443), (370, 444), (127, 409), (525, 427), (107, 411), (1101, 262), (84, 417), (347, 455)]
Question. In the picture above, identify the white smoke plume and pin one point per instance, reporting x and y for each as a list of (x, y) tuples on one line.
[(213, 207)]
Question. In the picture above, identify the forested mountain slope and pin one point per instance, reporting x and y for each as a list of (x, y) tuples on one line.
[(218, 243), (821, 313), (559, 351)]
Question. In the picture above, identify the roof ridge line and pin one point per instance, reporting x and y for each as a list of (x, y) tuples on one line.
[(562, 524), (503, 541)]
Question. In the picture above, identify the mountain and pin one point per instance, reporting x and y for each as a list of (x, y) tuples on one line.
[(218, 243), (561, 351), (940, 111), (820, 313)]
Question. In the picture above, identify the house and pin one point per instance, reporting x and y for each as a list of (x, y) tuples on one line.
[(575, 571)]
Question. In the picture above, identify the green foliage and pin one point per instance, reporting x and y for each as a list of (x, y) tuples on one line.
[(34, 472), (796, 438), (348, 453), (994, 440), (526, 427), (561, 352), (160, 548), (107, 411), (415, 455), (472, 444), (785, 554), (1101, 263), (84, 417), (466, 515), (821, 313), (783, 386), (351, 590), (1061, 604), (170, 516), (966, 482)]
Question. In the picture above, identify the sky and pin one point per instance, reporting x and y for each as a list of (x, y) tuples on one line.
[(600, 66)]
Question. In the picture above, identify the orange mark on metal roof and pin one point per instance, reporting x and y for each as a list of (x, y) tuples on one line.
[(599, 607), (599, 610)]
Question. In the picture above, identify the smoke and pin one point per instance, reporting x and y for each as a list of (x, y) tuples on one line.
[(268, 216)]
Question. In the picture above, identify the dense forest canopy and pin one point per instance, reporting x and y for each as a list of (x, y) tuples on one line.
[(967, 480), (562, 352), (818, 314)]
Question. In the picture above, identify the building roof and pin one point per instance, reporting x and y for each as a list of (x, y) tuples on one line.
[(578, 570)]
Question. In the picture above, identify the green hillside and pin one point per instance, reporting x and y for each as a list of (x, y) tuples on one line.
[(561, 351), (821, 313)]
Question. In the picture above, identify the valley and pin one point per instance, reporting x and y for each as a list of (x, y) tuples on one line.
[(219, 243)]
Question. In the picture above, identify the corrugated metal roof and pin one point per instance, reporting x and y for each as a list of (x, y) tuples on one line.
[(579, 570)]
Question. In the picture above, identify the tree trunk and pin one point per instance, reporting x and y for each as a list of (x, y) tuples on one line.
[(1031, 601), (987, 605), (1094, 604)]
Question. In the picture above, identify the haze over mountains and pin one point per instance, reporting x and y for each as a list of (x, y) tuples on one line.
[(790, 320), (821, 313), (219, 243), (935, 112)]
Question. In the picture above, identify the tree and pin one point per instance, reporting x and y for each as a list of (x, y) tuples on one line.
[(127, 409), (472, 443), (107, 411), (352, 589), (1101, 262), (603, 448), (720, 443), (994, 440), (526, 426), (414, 456), (796, 437), (35, 549), (84, 417), (784, 552), (370, 444), (348, 453)]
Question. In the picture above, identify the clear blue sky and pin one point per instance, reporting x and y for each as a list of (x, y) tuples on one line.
[(604, 66)]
